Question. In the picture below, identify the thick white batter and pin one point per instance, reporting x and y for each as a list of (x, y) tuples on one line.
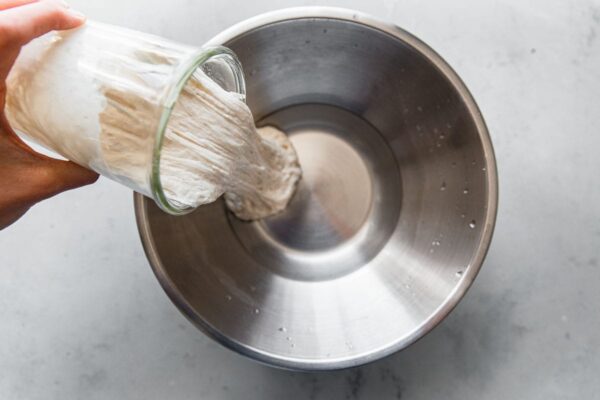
[(212, 148)]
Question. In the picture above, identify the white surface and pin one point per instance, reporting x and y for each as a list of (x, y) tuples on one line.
[(83, 317)]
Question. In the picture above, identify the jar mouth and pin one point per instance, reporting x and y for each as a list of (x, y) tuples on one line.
[(220, 64)]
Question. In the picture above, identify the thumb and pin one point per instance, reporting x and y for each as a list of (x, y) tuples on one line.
[(50, 176), (25, 23)]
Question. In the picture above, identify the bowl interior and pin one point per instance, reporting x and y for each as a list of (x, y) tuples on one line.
[(389, 225)]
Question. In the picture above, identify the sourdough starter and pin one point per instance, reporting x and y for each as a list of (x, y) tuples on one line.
[(63, 94), (212, 148)]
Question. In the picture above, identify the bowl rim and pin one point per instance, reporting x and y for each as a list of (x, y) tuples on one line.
[(453, 298)]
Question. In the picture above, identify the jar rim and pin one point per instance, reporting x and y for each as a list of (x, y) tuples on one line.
[(180, 79)]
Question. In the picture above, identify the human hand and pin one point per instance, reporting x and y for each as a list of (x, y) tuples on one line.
[(27, 177)]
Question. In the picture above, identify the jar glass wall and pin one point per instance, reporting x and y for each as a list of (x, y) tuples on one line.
[(102, 96)]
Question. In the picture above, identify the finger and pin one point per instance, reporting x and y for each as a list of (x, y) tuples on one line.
[(27, 177), (10, 215), (7, 132), (22, 24), (43, 181), (6, 4), (66, 175), (73, 175), (63, 175), (52, 177)]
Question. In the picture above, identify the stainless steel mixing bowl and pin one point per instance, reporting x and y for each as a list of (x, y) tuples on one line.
[(390, 224)]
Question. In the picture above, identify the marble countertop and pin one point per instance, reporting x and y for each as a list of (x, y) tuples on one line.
[(82, 315)]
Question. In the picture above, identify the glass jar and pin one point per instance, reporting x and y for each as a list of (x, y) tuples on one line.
[(102, 96)]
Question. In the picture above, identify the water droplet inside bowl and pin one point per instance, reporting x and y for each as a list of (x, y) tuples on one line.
[(472, 224)]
